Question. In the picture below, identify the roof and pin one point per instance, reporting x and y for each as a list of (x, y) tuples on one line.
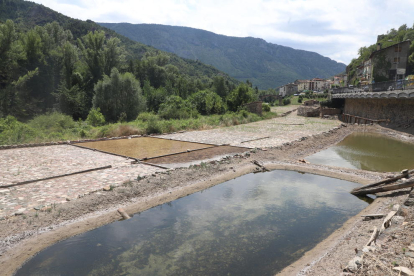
[(382, 49)]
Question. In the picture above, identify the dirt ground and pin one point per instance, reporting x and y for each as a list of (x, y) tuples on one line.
[(21, 237)]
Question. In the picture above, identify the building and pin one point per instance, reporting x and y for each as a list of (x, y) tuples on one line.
[(317, 84), (385, 64), (302, 85), (288, 89)]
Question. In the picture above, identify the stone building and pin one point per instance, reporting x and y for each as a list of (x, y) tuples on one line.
[(390, 63)]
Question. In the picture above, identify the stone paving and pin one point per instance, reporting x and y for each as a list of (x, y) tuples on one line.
[(41, 162), (22, 164), (279, 130)]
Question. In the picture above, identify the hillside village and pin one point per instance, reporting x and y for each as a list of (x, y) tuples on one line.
[(315, 84), (384, 64)]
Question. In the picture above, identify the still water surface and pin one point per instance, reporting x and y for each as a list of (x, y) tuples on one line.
[(256, 224), (367, 151)]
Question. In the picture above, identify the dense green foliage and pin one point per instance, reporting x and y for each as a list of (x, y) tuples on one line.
[(51, 62), (267, 65), (65, 79), (393, 36)]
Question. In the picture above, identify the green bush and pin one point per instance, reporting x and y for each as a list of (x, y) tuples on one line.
[(95, 117), (146, 116), (15, 132), (286, 101), (52, 122), (176, 108), (153, 125), (265, 107)]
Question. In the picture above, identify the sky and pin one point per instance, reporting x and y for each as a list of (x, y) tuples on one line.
[(336, 29)]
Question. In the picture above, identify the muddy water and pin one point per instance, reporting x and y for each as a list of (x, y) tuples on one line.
[(367, 151), (256, 224), (143, 147)]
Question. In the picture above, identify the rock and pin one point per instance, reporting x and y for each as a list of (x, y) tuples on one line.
[(409, 254), (67, 199), (107, 188), (405, 171), (398, 220), (404, 270), (37, 208), (354, 264), (367, 249), (20, 212)]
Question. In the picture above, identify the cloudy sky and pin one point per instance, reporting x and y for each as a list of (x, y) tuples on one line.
[(336, 29)]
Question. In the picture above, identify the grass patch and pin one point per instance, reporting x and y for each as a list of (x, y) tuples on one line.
[(58, 127)]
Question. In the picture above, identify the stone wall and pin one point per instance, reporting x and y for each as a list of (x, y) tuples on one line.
[(254, 107), (398, 111), (308, 111), (330, 111)]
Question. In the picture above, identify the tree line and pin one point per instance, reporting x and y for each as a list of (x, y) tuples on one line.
[(45, 69)]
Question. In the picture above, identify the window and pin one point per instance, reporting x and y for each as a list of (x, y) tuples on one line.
[(397, 48), (396, 59)]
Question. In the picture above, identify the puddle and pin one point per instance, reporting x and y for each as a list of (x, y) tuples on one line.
[(191, 158), (143, 147), (367, 151), (256, 224)]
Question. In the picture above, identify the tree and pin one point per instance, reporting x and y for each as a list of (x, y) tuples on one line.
[(207, 102), (241, 95), (119, 94), (175, 107)]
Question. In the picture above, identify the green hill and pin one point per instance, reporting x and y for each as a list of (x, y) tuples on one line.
[(29, 14), (265, 64), (51, 62)]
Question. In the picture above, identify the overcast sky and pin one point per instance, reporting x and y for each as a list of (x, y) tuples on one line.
[(336, 29)]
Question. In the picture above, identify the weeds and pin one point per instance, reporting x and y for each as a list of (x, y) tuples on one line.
[(60, 127)]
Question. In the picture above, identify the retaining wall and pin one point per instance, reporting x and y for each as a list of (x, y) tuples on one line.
[(330, 111), (398, 111), (254, 107)]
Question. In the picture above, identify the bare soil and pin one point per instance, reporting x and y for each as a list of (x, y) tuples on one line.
[(21, 237)]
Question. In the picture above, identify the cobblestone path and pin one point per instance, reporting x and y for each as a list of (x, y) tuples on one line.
[(269, 133), (17, 165)]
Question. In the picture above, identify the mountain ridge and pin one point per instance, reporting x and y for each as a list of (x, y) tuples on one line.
[(267, 65)]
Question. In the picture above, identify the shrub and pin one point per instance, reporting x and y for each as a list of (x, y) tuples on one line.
[(153, 125), (52, 122), (95, 117), (265, 107), (15, 132), (146, 116), (286, 101), (176, 108)]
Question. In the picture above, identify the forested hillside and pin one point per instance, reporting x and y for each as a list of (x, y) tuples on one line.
[(266, 65), (50, 62)]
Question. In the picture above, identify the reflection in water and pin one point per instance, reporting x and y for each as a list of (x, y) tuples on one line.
[(143, 147), (367, 151), (256, 224)]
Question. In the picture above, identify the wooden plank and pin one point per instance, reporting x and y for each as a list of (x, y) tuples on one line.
[(385, 181), (385, 188), (374, 216)]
